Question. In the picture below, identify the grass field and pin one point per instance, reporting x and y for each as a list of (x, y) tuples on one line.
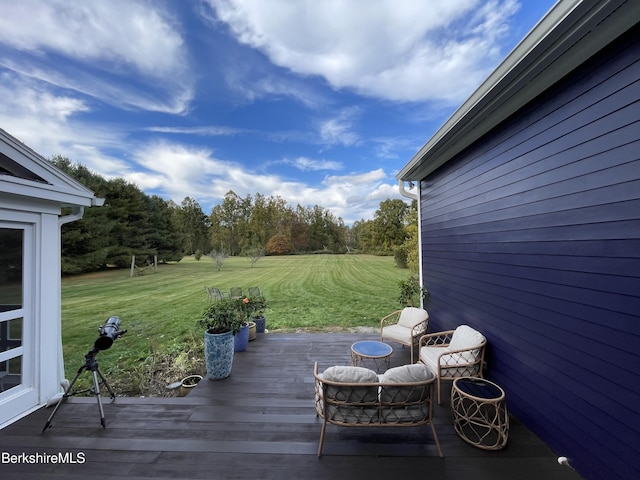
[(160, 310)]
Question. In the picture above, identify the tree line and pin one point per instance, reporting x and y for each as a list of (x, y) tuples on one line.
[(134, 223)]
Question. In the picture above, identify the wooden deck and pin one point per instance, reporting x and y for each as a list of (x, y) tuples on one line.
[(259, 423)]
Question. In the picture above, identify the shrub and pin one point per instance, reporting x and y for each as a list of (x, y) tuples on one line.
[(411, 293), (224, 315), (278, 245), (401, 256)]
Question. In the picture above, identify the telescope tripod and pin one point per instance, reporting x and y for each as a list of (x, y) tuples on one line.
[(90, 365)]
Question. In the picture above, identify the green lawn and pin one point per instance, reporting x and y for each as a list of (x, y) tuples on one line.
[(160, 310)]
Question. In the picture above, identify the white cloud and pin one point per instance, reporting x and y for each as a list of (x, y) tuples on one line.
[(387, 147), (176, 169), (309, 164), (102, 44), (254, 85), (338, 130), (205, 131), (179, 171), (122, 32), (357, 196), (70, 53), (47, 123), (401, 50)]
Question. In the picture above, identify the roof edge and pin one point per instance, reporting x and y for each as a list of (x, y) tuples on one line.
[(540, 60), (56, 180)]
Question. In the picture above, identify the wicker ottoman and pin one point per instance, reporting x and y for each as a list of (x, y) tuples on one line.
[(480, 413)]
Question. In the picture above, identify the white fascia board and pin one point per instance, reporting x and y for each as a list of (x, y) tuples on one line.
[(54, 193), (58, 181)]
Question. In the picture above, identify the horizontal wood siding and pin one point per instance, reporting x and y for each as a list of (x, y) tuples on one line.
[(532, 236)]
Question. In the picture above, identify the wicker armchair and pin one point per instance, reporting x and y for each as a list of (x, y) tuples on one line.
[(214, 293), (453, 353), (235, 292), (405, 326), (254, 292)]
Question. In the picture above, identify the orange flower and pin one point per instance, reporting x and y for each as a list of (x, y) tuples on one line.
[(245, 300)]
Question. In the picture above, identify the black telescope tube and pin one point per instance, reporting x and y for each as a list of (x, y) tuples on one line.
[(109, 332)]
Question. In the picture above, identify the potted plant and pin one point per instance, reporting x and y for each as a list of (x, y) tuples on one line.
[(222, 320), (241, 340), (256, 307)]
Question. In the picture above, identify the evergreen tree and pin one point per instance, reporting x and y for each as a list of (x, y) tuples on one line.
[(194, 226), (128, 208), (85, 243), (165, 238)]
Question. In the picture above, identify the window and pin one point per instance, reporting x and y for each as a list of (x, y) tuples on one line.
[(11, 307)]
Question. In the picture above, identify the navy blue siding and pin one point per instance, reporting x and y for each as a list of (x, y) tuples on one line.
[(532, 235)]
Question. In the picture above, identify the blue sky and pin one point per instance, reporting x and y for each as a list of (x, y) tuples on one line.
[(320, 102)]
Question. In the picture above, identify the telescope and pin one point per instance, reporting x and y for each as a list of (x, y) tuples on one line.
[(109, 333)]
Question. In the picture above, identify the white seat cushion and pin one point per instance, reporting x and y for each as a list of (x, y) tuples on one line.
[(447, 368), (397, 333), (429, 356)]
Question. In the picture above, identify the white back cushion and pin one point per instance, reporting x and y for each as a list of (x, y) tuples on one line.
[(347, 374), (416, 372), (411, 316), (350, 394), (465, 337)]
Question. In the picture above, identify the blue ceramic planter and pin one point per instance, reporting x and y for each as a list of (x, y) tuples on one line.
[(218, 354), (241, 340), (260, 324)]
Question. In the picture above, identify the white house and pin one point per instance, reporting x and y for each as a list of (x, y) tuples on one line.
[(32, 195)]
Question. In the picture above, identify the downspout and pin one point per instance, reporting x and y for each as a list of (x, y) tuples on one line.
[(415, 196), (405, 193), (76, 214)]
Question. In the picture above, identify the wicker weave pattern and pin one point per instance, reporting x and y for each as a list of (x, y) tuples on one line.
[(453, 363), (416, 332), (374, 404), (483, 422), (460, 364)]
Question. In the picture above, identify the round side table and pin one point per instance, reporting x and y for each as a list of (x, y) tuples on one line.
[(480, 413), (377, 352)]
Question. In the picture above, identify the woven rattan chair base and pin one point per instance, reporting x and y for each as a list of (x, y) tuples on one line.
[(482, 422)]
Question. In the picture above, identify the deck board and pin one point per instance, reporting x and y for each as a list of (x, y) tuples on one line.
[(260, 423)]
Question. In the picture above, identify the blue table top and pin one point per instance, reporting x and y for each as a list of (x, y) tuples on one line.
[(371, 348)]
